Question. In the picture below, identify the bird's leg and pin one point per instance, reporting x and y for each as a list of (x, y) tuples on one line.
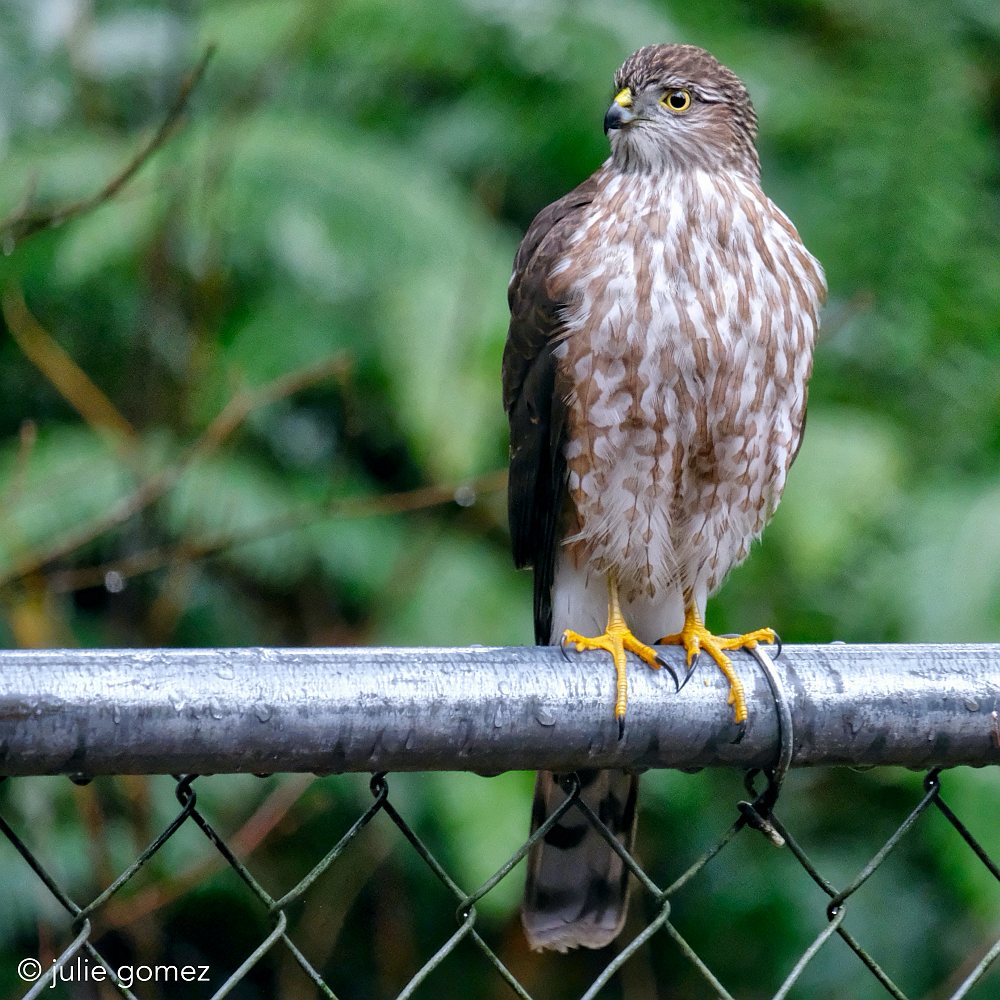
[(616, 640), (694, 637)]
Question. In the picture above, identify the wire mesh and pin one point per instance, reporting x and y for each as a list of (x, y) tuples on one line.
[(756, 814)]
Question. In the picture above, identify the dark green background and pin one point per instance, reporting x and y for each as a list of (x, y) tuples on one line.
[(351, 184)]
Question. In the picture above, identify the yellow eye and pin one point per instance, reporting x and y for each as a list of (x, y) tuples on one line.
[(677, 101)]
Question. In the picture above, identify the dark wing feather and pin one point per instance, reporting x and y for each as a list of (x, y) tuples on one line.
[(534, 403)]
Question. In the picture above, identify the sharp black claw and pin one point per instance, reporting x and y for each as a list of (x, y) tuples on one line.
[(562, 648), (621, 727), (741, 732), (690, 670), (670, 670), (779, 644)]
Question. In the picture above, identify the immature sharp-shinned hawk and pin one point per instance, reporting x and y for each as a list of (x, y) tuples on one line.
[(663, 316)]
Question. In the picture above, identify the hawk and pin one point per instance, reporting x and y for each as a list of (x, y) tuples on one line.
[(663, 316)]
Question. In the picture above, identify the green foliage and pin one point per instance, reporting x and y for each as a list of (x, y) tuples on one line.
[(346, 193)]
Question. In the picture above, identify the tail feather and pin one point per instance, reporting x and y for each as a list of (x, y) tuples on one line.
[(577, 886)]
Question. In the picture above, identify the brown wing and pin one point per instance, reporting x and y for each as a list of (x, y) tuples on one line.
[(535, 407)]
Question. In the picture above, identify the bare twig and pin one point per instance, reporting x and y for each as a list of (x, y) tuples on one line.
[(236, 411), (229, 419), (160, 556), (25, 222), (68, 378)]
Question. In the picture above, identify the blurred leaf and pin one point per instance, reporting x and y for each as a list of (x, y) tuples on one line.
[(456, 801), (106, 238), (70, 477), (949, 577), (362, 554), (231, 494), (454, 591), (846, 478), (412, 243)]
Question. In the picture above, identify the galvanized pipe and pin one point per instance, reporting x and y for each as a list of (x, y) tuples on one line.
[(483, 709)]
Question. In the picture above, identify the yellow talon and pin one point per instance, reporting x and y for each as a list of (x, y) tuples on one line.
[(694, 637), (617, 639)]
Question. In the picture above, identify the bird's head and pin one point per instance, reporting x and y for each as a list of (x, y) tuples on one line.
[(677, 107)]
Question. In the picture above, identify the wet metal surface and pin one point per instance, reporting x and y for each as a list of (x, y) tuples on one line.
[(482, 709)]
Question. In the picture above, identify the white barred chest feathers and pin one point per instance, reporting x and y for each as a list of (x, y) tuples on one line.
[(685, 361)]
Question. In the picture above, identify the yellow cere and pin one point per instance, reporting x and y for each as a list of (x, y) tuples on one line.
[(624, 97)]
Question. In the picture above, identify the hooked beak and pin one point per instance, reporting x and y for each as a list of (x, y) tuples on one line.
[(620, 113)]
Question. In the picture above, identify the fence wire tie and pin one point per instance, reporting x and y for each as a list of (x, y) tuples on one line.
[(758, 813)]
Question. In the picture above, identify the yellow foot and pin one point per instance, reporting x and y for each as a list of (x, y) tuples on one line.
[(695, 638), (616, 640)]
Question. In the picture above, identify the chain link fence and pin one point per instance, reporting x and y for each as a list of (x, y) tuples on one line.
[(967, 685)]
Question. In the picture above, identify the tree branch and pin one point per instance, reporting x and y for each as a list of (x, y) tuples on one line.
[(233, 414), (157, 557), (25, 221), (66, 376)]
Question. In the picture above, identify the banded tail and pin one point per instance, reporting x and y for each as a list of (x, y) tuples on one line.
[(576, 892)]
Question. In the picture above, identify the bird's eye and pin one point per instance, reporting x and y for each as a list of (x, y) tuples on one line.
[(677, 101)]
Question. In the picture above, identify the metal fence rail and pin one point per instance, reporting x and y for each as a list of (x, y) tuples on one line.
[(84, 713), (168, 711)]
